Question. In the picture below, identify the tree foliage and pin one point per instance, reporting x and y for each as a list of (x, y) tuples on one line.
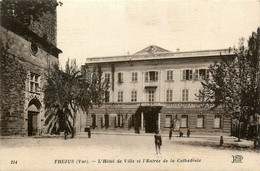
[(68, 91), (234, 84)]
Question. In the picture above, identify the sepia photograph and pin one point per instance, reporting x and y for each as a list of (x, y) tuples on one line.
[(149, 85)]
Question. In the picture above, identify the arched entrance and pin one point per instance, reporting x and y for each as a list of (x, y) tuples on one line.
[(33, 113)]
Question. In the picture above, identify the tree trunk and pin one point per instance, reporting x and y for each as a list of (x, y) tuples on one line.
[(74, 125), (239, 130)]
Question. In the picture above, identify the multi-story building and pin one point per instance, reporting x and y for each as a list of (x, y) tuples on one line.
[(156, 89), (27, 49)]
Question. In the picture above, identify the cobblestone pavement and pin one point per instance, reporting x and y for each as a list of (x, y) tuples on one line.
[(93, 154)]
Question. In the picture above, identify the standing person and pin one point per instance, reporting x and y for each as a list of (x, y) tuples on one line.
[(170, 134), (158, 141), (89, 133), (221, 141), (188, 133)]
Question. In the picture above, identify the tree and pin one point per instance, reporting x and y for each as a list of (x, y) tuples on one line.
[(68, 91), (233, 84)]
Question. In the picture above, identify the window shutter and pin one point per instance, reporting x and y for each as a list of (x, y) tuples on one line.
[(156, 76), (207, 73), (187, 95), (108, 124), (183, 75), (190, 75), (180, 94), (146, 76), (103, 120), (116, 124), (121, 120), (96, 123), (196, 74)]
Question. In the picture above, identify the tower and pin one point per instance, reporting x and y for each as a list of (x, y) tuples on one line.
[(28, 47)]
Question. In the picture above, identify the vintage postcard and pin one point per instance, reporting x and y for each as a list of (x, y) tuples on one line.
[(130, 85)]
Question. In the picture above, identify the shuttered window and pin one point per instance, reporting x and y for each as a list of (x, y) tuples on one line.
[(200, 121), (184, 121), (168, 121), (217, 121)]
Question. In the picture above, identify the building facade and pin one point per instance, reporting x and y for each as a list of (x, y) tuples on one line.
[(26, 52), (156, 89)]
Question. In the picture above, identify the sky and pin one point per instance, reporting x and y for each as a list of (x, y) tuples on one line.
[(110, 28)]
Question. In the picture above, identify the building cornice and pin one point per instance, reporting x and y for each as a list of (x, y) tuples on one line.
[(161, 56)]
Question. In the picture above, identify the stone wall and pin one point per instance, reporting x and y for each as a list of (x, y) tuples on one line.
[(46, 27), (16, 67)]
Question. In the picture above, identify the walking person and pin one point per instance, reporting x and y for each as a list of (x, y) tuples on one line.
[(158, 141), (170, 134)]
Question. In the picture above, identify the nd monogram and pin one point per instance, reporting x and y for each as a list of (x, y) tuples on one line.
[(237, 159)]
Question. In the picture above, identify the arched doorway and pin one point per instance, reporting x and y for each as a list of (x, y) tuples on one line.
[(33, 113)]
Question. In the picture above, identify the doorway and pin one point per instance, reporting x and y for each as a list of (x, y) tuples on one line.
[(32, 123), (151, 121), (150, 118)]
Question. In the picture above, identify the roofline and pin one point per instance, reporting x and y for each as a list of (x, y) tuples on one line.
[(160, 56)]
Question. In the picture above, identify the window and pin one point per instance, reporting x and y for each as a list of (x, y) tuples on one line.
[(120, 96), (185, 95), (169, 75), (168, 95), (107, 77), (134, 96), (34, 82), (217, 121), (200, 121), (187, 74), (34, 48), (184, 121), (151, 76), (134, 76), (151, 95), (107, 96), (106, 120), (120, 77), (168, 121), (119, 120), (201, 74)]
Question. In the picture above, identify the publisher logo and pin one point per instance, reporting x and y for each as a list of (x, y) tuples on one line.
[(237, 159)]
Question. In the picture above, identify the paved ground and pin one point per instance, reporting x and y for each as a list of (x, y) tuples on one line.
[(48, 153)]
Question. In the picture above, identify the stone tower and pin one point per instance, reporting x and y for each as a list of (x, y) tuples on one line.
[(28, 34)]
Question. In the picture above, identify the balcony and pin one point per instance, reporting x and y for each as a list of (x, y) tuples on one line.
[(151, 84)]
